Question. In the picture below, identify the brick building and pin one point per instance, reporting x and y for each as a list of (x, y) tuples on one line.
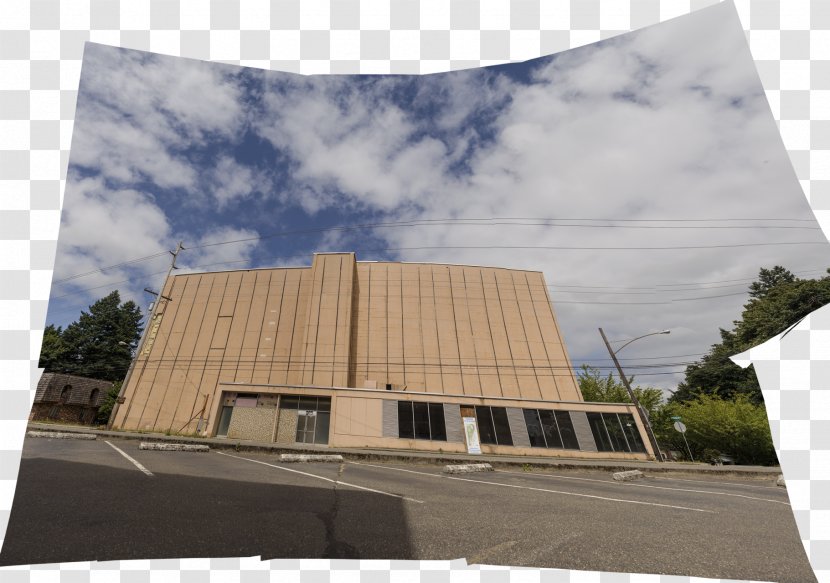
[(370, 354), (65, 397)]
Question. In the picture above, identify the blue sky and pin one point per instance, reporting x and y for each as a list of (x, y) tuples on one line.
[(654, 153)]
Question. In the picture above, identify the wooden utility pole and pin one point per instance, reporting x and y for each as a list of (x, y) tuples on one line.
[(120, 399)]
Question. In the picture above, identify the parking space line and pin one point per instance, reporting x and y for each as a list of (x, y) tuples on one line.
[(340, 482), (135, 463), (624, 500), (709, 492), (717, 482), (558, 476), (645, 486)]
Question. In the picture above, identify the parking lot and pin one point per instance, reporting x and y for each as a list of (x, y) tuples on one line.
[(106, 499)]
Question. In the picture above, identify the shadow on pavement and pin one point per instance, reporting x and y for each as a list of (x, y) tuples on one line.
[(101, 513)]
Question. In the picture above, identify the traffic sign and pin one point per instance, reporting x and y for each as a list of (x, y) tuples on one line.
[(680, 427), (675, 418)]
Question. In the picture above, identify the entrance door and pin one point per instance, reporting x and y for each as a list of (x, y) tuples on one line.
[(306, 425)]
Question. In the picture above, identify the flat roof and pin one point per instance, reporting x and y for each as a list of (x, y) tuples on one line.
[(365, 261)]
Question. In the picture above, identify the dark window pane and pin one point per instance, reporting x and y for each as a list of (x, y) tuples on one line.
[(421, 420), (598, 429), (502, 426), (486, 432), (308, 403), (632, 433), (534, 428), (566, 430), (224, 421), (549, 428), (615, 431), (324, 404), (289, 401), (438, 428), (321, 431), (405, 427)]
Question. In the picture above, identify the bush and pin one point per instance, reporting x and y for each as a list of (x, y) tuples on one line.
[(737, 428)]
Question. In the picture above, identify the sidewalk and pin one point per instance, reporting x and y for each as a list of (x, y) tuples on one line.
[(427, 457)]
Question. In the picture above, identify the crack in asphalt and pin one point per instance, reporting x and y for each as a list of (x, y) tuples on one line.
[(336, 549)]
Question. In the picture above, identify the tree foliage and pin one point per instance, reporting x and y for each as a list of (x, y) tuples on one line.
[(599, 389), (737, 427), (99, 345), (105, 410), (778, 300)]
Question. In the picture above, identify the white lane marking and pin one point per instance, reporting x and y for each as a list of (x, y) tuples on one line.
[(709, 492), (135, 463), (716, 482), (646, 486), (624, 500), (560, 477), (323, 478)]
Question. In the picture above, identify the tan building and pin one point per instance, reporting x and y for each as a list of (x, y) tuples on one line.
[(370, 354)]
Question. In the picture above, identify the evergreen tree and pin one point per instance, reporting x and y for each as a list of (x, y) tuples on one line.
[(778, 301), (53, 351), (99, 345)]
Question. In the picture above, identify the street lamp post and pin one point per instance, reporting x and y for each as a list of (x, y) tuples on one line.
[(643, 417)]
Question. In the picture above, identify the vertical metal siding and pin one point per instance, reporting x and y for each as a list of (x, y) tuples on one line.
[(583, 431), (390, 418), (452, 419), (518, 428)]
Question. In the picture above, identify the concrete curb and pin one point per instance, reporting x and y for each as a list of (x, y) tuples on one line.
[(467, 468), (440, 458), (61, 435), (627, 476), (173, 447), (301, 457)]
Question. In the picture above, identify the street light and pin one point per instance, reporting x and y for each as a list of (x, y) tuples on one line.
[(643, 417)]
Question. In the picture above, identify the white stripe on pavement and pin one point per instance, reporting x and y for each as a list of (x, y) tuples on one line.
[(647, 486), (323, 478), (624, 500), (135, 463), (717, 482), (710, 492)]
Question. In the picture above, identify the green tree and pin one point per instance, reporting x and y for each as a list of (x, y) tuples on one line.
[(105, 410), (735, 427), (101, 343), (778, 300), (53, 351), (599, 389)]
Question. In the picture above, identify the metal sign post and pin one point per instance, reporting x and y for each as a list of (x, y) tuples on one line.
[(679, 426)]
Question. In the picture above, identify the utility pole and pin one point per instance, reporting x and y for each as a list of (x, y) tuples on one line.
[(120, 399), (643, 417)]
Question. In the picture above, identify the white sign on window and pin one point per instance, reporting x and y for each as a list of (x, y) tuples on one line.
[(471, 435)]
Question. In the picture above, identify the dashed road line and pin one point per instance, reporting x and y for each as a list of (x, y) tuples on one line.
[(623, 500), (340, 482), (135, 463)]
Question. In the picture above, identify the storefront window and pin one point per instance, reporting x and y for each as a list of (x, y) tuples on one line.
[(493, 426), (421, 421), (551, 429)]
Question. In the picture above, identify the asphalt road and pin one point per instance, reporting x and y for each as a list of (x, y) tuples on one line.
[(84, 500)]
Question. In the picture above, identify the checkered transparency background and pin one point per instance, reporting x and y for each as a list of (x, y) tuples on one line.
[(41, 46)]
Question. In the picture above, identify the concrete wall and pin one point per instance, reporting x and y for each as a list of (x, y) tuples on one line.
[(456, 330)]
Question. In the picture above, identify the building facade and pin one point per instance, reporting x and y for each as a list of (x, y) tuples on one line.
[(65, 397), (370, 354)]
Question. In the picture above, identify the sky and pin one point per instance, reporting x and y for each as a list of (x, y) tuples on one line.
[(644, 175)]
